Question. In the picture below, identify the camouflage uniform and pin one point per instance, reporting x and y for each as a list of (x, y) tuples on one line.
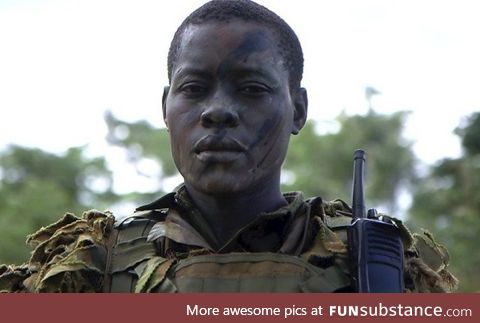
[(167, 246)]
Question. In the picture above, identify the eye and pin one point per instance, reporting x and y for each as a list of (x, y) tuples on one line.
[(254, 89), (193, 89)]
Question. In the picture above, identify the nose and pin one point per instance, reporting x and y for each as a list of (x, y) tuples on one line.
[(219, 115)]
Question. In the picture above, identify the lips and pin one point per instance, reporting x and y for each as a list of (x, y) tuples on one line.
[(213, 148)]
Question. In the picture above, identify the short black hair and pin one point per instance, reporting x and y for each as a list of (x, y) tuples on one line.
[(224, 10)]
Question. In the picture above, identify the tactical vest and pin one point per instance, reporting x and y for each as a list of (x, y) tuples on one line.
[(91, 254), (137, 265)]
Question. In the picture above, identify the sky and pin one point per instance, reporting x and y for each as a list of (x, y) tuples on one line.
[(63, 63)]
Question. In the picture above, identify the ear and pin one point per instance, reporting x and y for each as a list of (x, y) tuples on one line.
[(300, 102), (166, 89)]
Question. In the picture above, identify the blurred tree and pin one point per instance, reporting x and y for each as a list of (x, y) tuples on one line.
[(42, 185), (37, 187), (447, 202), (322, 165), (142, 142), (316, 164)]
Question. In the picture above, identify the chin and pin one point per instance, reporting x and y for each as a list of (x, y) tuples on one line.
[(220, 186)]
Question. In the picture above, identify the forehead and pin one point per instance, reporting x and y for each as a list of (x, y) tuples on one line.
[(228, 33), (236, 41)]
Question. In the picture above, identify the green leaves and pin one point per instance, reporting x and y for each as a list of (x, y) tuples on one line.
[(37, 187), (141, 140), (447, 202), (322, 164)]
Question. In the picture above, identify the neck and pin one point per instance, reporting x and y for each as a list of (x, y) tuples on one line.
[(228, 213)]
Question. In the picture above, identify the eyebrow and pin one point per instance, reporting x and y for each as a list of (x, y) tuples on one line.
[(254, 71), (245, 72), (190, 70), (240, 70)]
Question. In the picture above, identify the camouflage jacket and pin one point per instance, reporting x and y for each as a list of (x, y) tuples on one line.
[(166, 246)]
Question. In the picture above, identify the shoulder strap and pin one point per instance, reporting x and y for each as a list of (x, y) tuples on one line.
[(128, 248), (107, 278)]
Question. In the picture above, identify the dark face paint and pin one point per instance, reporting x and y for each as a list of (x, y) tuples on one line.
[(253, 42), (229, 110)]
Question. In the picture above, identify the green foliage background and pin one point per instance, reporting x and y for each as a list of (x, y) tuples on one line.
[(37, 187)]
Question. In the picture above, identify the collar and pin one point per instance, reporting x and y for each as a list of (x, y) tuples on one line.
[(277, 231)]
